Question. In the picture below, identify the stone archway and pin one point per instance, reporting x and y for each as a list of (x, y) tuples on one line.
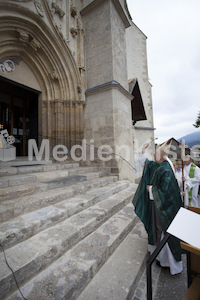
[(60, 108)]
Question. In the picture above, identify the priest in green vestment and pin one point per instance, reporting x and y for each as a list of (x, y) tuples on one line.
[(156, 201)]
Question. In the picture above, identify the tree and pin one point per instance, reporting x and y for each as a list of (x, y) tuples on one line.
[(197, 123)]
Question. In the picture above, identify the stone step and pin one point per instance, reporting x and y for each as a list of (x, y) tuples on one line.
[(14, 192), (60, 180), (24, 226), (16, 180), (68, 275), (7, 171), (23, 160), (11, 208), (69, 171), (20, 179), (95, 245), (17, 186), (119, 276)]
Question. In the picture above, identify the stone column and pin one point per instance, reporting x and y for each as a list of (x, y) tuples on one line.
[(59, 121), (107, 113)]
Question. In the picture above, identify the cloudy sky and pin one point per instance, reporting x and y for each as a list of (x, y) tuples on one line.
[(173, 50)]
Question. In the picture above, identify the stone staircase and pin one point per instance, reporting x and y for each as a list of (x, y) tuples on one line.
[(68, 232)]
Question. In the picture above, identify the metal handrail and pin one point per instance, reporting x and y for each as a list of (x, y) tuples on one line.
[(149, 262)]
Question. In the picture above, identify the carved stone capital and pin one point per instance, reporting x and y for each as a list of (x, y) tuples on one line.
[(26, 38), (81, 68), (73, 31), (35, 44), (73, 11), (58, 101), (79, 89), (81, 102), (52, 103), (67, 103), (54, 75), (74, 103), (58, 10), (23, 36)]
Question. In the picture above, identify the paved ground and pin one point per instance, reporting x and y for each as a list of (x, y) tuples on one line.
[(165, 286), (172, 287), (141, 291)]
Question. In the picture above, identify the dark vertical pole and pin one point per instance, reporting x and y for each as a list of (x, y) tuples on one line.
[(188, 269), (149, 282)]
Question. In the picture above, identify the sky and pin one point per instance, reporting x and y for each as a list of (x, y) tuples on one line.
[(172, 28)]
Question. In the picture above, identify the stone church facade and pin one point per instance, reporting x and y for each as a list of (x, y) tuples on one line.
[(73, 70)]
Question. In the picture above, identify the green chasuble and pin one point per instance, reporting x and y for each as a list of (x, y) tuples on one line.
[(167, 201)]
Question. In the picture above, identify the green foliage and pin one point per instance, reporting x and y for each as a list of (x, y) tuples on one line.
[(197, 123)]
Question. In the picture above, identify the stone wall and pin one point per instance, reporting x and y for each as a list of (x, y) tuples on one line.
[(107, 113), (137, 67)]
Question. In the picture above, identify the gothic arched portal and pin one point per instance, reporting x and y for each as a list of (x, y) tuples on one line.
[(45, 63)]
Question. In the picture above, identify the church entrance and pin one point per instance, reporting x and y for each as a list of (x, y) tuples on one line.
[(19, 113)]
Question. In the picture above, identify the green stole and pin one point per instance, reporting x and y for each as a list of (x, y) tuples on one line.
[(167, 201), (191, 175)]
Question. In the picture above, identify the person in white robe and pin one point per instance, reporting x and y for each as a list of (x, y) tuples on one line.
[(194, 178)]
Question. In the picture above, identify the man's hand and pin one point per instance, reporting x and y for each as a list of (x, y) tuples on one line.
[(148, 188)]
